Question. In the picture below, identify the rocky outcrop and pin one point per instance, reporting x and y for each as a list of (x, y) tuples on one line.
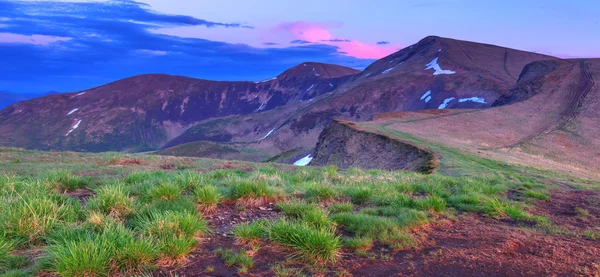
[(345, 145)]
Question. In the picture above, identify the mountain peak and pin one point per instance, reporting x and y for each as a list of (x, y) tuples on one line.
[(317, 70)]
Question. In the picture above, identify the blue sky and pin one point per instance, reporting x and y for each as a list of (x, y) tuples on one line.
[(75, 45)]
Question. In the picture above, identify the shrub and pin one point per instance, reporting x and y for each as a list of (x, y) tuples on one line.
[(313, 244)]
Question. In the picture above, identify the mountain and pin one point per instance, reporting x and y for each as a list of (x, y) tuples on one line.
[(7, 99), (278, 119), (144, 112), (555, 128), (435, 73)]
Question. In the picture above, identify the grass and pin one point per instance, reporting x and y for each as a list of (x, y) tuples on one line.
[(311, 244), (251, 233), (207, 197), (64, 180), (140, 219), (241, 259), (342, 207), (537, 195), (113, 200)]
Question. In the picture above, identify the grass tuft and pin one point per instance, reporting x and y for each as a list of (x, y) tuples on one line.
[(317, 245)]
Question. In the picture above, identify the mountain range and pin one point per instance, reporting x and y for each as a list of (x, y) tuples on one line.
[(280, 119)]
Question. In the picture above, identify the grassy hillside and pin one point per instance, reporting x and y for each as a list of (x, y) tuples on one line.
[(73, 214)]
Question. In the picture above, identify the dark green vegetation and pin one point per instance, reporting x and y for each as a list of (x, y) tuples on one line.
[(99, 215)]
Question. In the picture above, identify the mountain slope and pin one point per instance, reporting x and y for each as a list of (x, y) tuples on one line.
[(435, 73), (144, 112), (556, 128), (7, 99)]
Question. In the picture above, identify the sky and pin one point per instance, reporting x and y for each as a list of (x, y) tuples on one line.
[(74, 45)]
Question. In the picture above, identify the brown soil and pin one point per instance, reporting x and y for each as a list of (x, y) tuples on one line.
[(472, 246), (82, 194), (577, 211)]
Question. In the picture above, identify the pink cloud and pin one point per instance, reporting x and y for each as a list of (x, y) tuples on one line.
[(319, 32)]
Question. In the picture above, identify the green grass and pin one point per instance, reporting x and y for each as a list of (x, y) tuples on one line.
[(537, 195), (207, 196), (113, 200), (308, 213), (319, 193), (359, 195), (64, 180), (231, 258), (140, 218), (6, 247), (248, 189), (251, 233), (311, 244), (343, 207)]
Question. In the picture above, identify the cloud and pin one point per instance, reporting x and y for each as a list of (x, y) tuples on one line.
[(336, 40), (383, 42), (46, 44), (270, 43), (321, 31), (300, 41), (30, 39), (152, 52)]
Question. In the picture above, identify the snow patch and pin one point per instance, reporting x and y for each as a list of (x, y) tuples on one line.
[(390, 69), (74, 127), (316, 74), (304, 161), (435, 66), (82, 93), (440, 50), (445, 103), (427, 99), (304, 64), (264, 81), (72, 111), (268, 134), (426, 94), (311, 86), (313, 69), (473, 99), (368, 74)]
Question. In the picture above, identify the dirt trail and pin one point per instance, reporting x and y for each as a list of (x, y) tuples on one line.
[(577, 94)]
